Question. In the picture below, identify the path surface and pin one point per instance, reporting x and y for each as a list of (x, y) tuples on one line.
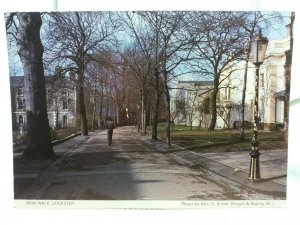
[(126, 170), (136, 168)]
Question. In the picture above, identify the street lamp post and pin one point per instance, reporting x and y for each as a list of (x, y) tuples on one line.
[(258, 49)]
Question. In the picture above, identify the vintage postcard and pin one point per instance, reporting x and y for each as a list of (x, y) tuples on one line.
[(149, 108)]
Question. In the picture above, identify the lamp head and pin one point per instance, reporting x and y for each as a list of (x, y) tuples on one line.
[(259, 46)]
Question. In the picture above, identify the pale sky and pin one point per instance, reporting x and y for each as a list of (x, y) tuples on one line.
[(278, 31)]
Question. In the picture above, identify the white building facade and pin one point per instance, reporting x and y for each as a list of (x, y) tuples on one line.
[(271, 87), (189, 97), (190, 103)]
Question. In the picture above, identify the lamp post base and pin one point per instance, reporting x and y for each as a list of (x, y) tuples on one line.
[(254, 172)]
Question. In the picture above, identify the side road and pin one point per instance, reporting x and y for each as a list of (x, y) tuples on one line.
[(231, 168)]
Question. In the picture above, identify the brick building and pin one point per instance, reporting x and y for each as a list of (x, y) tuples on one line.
[(61, 102)]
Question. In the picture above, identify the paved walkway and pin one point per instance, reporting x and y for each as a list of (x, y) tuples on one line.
[(233, 167), (135, 167), (89, 169), (273, 164)]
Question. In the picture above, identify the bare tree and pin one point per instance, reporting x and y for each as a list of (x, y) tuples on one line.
[(192, 106), (146, 67), (99, 79), (74, 38), (170, 50), (178, 101), (94, 83), (112, 78), (142, 82), (224, 113), (30, 50), (251, 23), (219, 42), (176, 48)]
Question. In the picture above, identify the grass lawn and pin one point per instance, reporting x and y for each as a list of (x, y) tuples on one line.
[(222, 140)]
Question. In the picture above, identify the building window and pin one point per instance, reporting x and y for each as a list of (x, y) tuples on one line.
[(65, 104), (21, 120), (20, 91), (65, 121), (20, 105), (227, 93)]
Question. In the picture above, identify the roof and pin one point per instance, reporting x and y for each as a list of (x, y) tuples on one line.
[(198, 83), (64, 82)]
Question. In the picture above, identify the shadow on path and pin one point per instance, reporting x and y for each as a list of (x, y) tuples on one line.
[(87, 170)]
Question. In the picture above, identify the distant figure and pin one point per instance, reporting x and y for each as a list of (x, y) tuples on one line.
[(110, 128)]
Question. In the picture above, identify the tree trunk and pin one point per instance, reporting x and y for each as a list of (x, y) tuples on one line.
[(144, 118), (82, 112), (168, 114), (287, 74), (30, 50), (200, 124), (214, 104), (94, 115), (107, 110), (56, 118), (242, 125), (154, 120), (101, 110), (115, 110), (156, 105), (142, 113)]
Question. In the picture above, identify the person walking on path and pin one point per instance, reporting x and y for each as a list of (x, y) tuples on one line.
[(110, 128)]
